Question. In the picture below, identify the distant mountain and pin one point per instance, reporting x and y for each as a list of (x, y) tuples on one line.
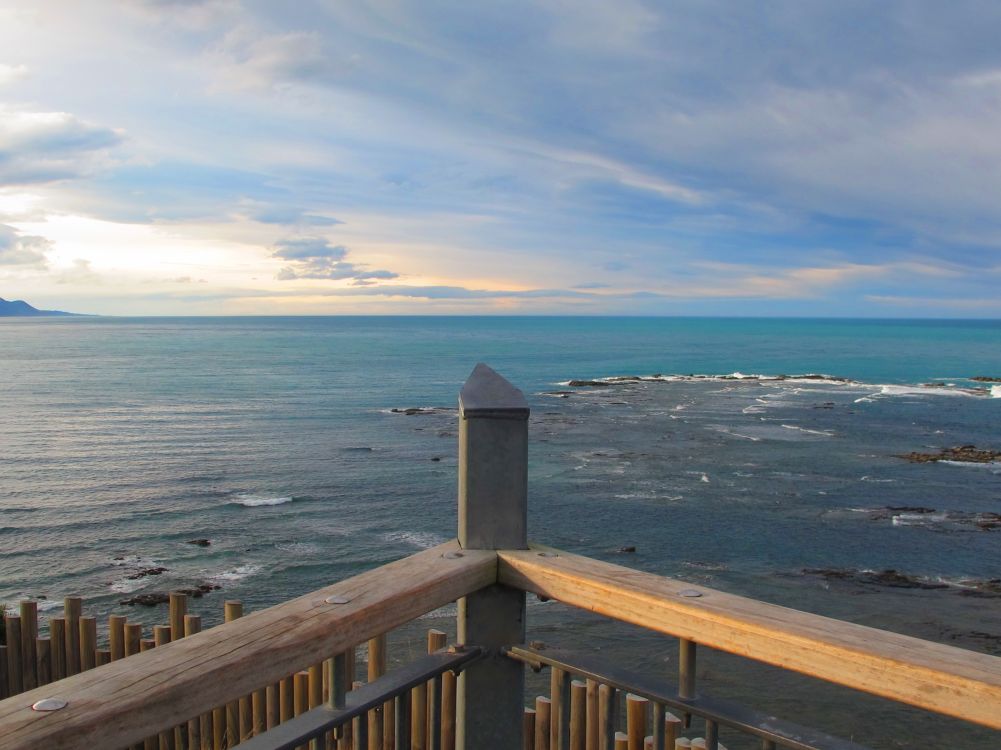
[(21, 309)]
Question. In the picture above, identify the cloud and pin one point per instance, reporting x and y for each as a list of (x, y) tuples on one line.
[(41, 147), (11, 73), (316, 258), (22, 250)]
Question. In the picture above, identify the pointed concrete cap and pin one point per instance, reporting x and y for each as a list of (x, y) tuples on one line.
[(487, 395)]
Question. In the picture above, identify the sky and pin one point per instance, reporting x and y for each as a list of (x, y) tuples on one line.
[(230, 157)]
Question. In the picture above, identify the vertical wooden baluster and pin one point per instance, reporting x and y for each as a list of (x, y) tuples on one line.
[(232, 610), (606, 717), (4, 682), (72, 610), (448, 698), (528, 730), (161, 637), (578, 715), (437, 639), (559, 691), (636, 710), (376, 669), (301, 692), (29, 634), (43, 660), (199, 732), (672, 729), (15, 683), (592, 715), (543, 719), (150, 743), (133, 638), (102, 656), (57, 636), (315, 698), (621, 741), (88, 642), (116, 637)]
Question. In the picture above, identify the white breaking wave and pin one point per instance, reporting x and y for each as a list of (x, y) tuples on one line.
[(823, 433), (419, 539), (996, 391), (254, 501), (238, 573), (992, 466)]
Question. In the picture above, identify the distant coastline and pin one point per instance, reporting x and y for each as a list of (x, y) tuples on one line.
[(21, 309)]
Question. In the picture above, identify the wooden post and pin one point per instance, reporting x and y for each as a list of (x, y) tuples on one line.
[(606, 717), (419, 717), (149, 743), (116, 637), (233, 610), (449, 686), (12, 624), (102, 656), (528, 730), (437, 639), (4, 687), (559, 727), (178, 608), (88, 642), (29, 632), (493, 514), (72, 609), (301, 689), (636, 706), (376, 669), (621, 741), (578, 718), (133, 638), (161, 637), (543, 717), (198, 727), (57, 634), (672, 728), (43, 659), (592, 715)]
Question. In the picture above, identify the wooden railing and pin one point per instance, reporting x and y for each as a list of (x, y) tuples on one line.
[(487, 570)]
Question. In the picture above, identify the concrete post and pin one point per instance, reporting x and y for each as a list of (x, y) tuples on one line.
[(493, 513)]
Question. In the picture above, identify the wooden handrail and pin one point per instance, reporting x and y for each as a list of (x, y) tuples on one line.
[(945, 679), (121, 703)]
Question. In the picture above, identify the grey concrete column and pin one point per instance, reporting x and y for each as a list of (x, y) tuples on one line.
[(493, 513)]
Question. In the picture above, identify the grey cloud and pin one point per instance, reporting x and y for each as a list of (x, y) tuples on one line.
[(615, 265), (40, 147), (592, 285), (316, 258), (454, 292), (286, 215), (309, 249), (22, 250)]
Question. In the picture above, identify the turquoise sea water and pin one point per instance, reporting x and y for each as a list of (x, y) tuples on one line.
[(123, 439)]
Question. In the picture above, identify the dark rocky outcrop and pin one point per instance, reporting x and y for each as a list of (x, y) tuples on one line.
[(985, 379), (145, 572), (199, 542), (889, 577), (588, 384), (162, 597), (964, 453)]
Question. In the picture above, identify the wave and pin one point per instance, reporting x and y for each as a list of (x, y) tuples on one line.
[(419, 539), (255, 501), (238, 573), (884, 389)]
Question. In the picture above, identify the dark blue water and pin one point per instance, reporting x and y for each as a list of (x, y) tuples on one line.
[(123, 439)]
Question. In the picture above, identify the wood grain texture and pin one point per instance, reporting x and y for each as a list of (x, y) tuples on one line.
[(940, 678), (123, 702)]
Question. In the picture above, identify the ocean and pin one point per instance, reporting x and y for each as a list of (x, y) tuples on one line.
[(275, 439)]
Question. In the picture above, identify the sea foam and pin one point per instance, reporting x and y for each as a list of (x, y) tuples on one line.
[(254, 501)]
